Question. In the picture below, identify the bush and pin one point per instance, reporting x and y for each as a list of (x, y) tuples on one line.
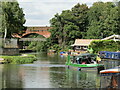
[(105, 45), (19, 59)]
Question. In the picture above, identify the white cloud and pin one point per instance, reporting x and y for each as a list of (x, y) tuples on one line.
[(39, 12), (36, 22)]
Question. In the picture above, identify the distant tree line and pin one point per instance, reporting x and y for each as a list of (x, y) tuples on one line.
[(83, 22)]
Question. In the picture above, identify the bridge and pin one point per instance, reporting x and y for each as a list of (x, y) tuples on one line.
[(34, 30)]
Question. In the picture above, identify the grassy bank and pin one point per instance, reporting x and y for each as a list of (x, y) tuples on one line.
[(19, 59)]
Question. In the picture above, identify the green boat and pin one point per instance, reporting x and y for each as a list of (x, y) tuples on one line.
[(85, 62)]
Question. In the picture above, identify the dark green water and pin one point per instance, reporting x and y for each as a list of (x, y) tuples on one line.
[(48, 71)]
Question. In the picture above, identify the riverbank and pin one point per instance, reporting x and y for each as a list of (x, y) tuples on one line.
[(22, 59)]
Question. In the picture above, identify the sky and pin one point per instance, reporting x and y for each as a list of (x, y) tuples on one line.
[(39, 12)]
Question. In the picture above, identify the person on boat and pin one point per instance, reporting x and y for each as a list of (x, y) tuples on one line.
[(83, 62), (77, 60), (98, 59), (69, 52), (74, 59), (94, 62), (89, 60)]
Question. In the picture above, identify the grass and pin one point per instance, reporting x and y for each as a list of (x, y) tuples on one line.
[(19, 59)]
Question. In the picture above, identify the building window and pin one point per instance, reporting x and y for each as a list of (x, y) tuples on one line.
[(85, 47)]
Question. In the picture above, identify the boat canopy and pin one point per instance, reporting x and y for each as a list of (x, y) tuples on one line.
[(85, 56), (111, 71)]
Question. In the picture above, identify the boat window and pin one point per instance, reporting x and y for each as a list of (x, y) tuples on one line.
[(77, 47), (108, 55), (113, 55), (103, 54), (116, 55), (81, 48), (85, 47)]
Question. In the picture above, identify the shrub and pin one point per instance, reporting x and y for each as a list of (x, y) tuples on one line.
[(19, 59), (105, 45)]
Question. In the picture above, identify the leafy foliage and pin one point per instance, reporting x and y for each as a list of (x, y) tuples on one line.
[(19, 59), (103, 20), (12, 18), (69, 25), (99, 21), (105, 45)]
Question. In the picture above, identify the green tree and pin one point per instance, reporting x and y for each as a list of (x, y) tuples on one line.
[(98, 21), (103, 20), (105, 45), (58, 24), (69, 25), (1, 32), (79, 13), (12, 18)]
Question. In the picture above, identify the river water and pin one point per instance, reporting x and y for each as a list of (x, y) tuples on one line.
[(48, 71)]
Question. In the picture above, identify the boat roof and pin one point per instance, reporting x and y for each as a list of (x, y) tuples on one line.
[(108, 52), (86, 55), (111, 71)]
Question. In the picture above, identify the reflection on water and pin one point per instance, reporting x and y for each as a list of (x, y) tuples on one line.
[(111, 63), (47, 72), (110, 80), (75, 79), (1, 68), (11, 76), (26, 76)]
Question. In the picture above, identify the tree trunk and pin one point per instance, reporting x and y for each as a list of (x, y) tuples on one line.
[(60, 40), (5, 34)]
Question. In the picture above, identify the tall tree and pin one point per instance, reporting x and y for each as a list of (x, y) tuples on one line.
[(69, 25), (1, 32), (57, 31), (79, 13), (13, 18)]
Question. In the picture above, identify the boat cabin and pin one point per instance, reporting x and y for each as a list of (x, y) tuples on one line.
[(109, 55), (86, 58)]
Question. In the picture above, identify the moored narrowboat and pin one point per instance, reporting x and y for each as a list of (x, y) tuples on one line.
[(109, 55), (85, 62)]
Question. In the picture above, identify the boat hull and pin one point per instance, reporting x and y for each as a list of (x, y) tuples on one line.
[(84, 62), (110, 71), (87, 67)]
